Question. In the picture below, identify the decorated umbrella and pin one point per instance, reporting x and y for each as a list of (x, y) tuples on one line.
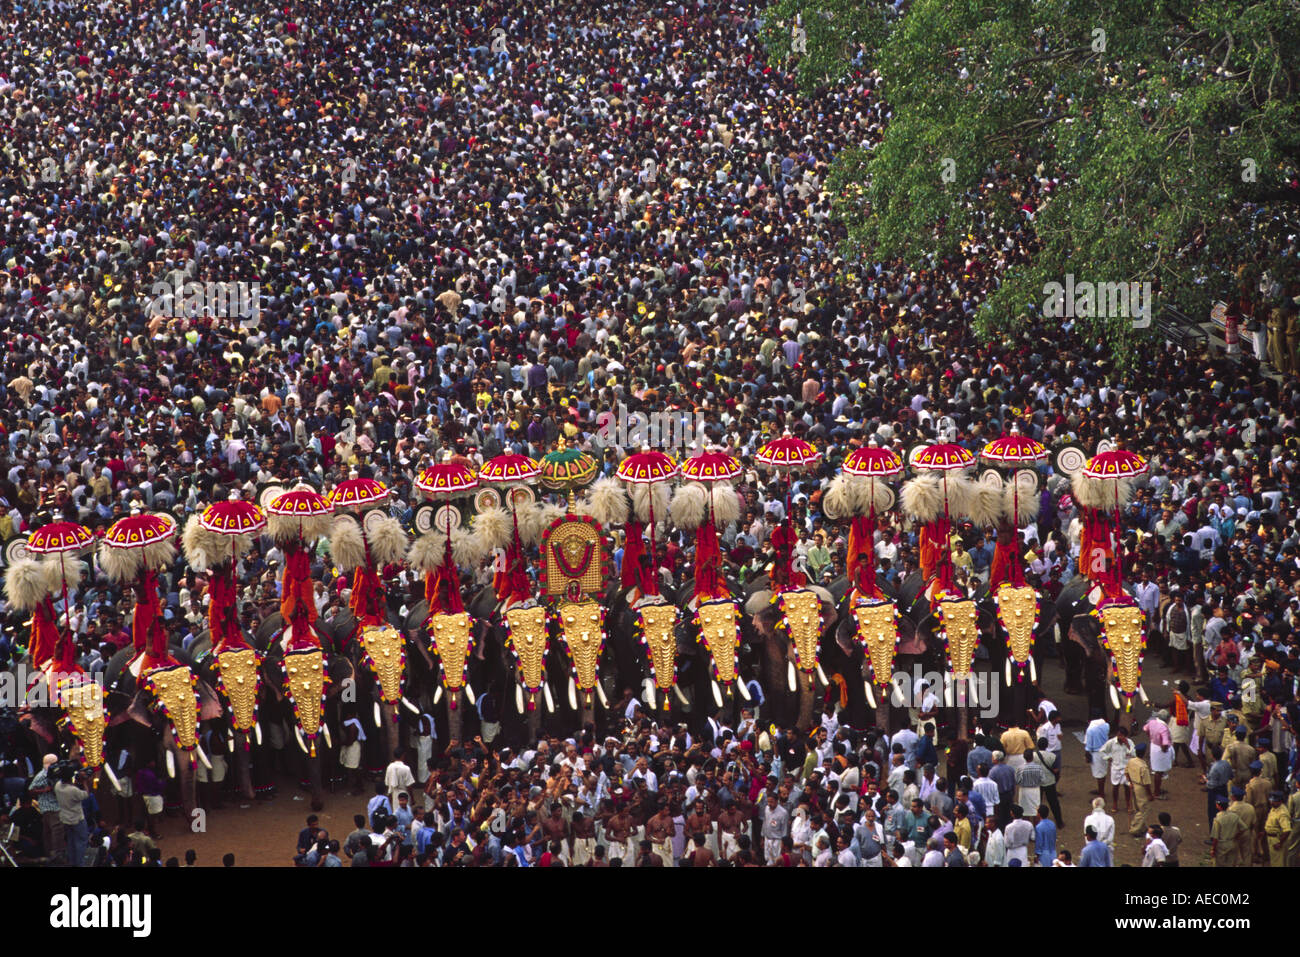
[(936, 556), (511, 583), (293, 517), (358, 493), (716, 614), (565, 470), (60, 538), (648, 469), (870, 462), (1106, 479), (135, 548), (785, 455), (710, 468), (238, 521), (441, 584), (1011, 452)]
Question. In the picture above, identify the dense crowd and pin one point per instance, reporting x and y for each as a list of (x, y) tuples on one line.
[(474, 230)]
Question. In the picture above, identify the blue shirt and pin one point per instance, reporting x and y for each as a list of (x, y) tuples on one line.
[(1097, 736), (1045, 841), (1004, 777), (1095, 854), (978, 755)]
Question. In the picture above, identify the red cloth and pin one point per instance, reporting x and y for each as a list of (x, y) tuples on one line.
[(632, 575), (297, 600), (784, 577), (709, 583), (1006, 557), (147, 630), (862, 555), (367, 599), (45, 633), (223, 615)]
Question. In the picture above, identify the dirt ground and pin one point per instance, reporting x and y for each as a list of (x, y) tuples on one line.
[(263, 833)]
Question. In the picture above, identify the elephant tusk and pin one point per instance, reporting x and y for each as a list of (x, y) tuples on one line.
[(789, 676), (325, 730), (112, 778), (871, 699), (1033, 670), (198, 749), (301, 743), (379, 718), (974, 684), (469, 692), (648, 692), (1143, 693), (1114, 698), (550, 702), (573, 694), (717, 695), (681, 697), (947, 690), (1008, 672), (744, 691), (257, 733), (519, 698), (230, 741), (600, 693), (406, 702), (437, 695), (821, 675), (171, 765)]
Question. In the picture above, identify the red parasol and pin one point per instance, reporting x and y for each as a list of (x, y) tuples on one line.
[(300, 503), (1014, 450), (711, 467), (446, 478), (509, 468), (944, 457), (137, 531), (358, 493), (787, 452), (870, 462), (233, 517), (647, 468), (59, 537), (1116, 464), (297, 603)]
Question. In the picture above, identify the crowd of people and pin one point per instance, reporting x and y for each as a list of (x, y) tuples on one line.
[(473, 231)]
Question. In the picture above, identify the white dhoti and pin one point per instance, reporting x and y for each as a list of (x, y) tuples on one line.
[(729, 845), (1162, 758), (583, 850), (772, 850), (1098, 765), (620, 850), (1180, 733)]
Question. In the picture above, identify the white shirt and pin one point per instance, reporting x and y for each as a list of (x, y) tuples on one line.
[(1104, 825), (1156, 852)]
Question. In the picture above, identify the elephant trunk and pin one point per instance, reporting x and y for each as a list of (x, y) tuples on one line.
[(185, 776), (243, 766)]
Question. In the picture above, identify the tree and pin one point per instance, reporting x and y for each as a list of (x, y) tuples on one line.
[(1158, 142)]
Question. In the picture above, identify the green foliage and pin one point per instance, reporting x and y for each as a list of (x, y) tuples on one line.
[(1152, 130)]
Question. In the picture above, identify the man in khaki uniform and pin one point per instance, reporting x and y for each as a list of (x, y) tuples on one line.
[(1291, 855), (1210, 730), (1240, 755), (1257, 792), (1223, 836), (1139, 776), (1246, 835), (1277, 828)]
